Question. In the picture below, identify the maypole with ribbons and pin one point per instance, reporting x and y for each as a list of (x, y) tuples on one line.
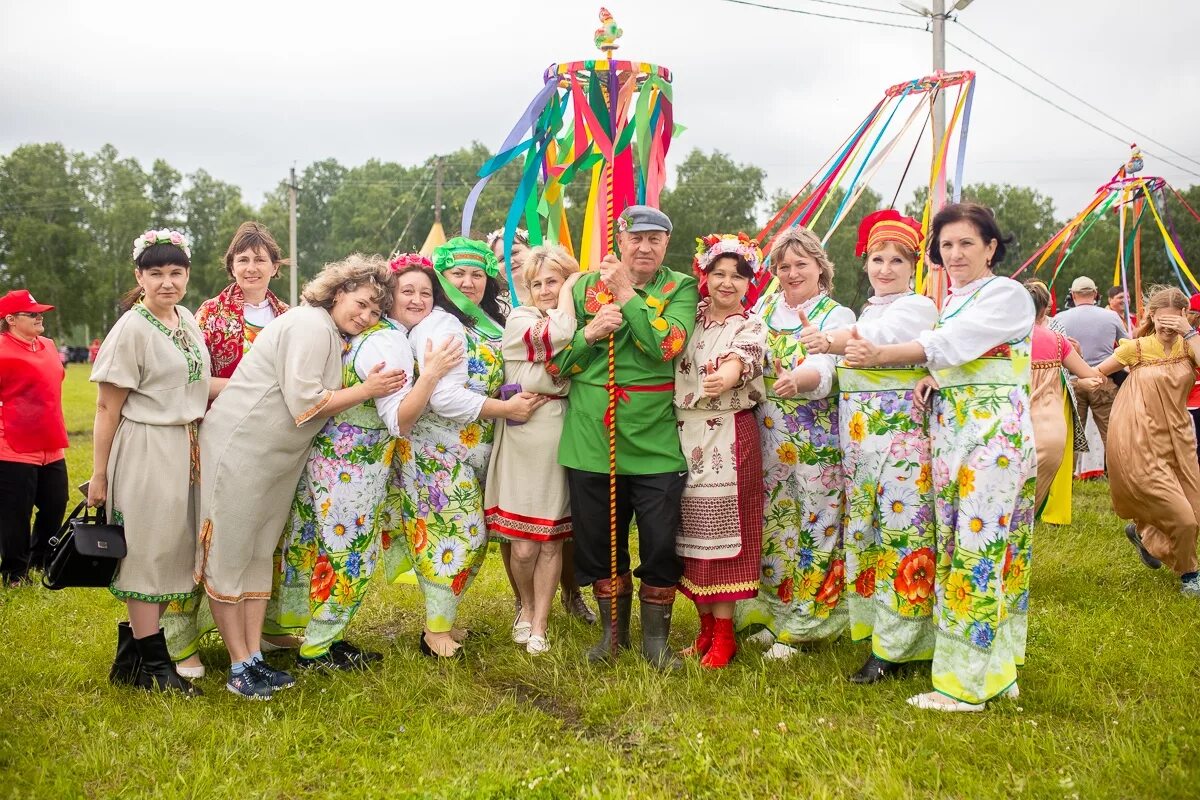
[(869, 146), (1137, 201), (609, 122)]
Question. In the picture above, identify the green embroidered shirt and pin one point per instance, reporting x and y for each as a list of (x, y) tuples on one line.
[(657, 322)]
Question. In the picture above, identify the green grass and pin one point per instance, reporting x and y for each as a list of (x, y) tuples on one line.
[(1107, 706)]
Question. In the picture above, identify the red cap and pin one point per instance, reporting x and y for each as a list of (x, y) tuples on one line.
[(19, 300), (1194, 303)]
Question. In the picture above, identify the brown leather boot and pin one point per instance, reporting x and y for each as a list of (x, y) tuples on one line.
[(606, 592)]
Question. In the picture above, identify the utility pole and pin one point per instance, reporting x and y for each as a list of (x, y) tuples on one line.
[(293, 281), (938, 20)]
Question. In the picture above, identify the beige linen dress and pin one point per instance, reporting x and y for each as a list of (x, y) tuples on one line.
[(526, 495), (152, 467), (1152, 470), (254, 444)]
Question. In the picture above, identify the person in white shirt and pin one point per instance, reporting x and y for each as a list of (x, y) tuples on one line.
[(984, 464), (887, 454)]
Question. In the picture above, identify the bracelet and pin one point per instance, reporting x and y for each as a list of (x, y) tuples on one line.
[(1189, 334)]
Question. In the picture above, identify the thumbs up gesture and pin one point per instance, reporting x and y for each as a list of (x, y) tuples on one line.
[(812, 337), (861, 352)]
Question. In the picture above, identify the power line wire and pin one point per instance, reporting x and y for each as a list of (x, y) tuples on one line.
[(1066, 111), (1071, 94), (826, 16)]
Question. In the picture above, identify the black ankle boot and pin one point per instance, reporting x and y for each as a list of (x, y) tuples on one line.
[(125, 666), (875, 670), (602, 650), (157, 673)]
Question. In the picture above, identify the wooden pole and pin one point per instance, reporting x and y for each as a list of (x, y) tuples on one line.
[(293, 277)]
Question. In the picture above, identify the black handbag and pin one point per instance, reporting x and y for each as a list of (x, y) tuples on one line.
[(85, 552)]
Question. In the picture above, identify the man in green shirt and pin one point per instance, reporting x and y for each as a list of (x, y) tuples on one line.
[(650, 311)]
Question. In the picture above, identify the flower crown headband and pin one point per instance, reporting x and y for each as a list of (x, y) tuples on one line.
[(713, 246), (409, 260), (164, 236)]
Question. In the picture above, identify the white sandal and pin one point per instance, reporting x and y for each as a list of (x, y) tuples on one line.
[(928, 701), (780, 652), (520, 632), (537, 645)]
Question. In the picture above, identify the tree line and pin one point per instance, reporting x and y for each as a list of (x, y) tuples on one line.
[(68, 220)]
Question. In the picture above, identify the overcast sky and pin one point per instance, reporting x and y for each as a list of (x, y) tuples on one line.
[(245, 89)]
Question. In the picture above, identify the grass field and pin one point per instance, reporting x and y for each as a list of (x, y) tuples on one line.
[(1107, 706)]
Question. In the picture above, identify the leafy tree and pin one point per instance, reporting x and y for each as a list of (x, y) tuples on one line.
[(711, 194), (210, 207), (43, 242)]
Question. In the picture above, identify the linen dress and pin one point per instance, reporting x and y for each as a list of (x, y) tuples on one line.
[(802, 568), (889, 498), (331, 540), (254, 444), (1047, 404), (153, 465), (1152, 468), (720, 538), (526, 494), (230, 326), (984, 479), (433, 522)]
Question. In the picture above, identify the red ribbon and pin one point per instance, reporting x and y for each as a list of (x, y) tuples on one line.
[(622, 393)]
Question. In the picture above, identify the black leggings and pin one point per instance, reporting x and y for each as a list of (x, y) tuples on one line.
[(24, 487)]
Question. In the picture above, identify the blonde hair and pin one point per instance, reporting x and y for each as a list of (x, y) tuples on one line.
[(801, 241), (1161, 297), (351, 273), (547, 255), (1040, 293)]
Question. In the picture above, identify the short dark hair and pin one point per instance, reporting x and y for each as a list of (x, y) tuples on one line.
[(981, 218), (253, 236), (741, 264), (163, 254), (1116, 290)]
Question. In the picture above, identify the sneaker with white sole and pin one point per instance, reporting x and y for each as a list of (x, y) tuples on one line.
[(275, 678), (521, 631), (536, 645), (250, 684)]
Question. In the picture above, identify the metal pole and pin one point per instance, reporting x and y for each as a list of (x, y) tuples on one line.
[(293, 287), (938, 20)]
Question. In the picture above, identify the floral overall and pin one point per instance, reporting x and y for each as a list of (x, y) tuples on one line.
[(802, 568), (435, 496)]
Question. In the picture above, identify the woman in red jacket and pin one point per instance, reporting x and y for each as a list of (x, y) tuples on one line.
[(33, 470)]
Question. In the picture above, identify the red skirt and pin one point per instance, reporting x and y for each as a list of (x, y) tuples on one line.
[(728, 579)]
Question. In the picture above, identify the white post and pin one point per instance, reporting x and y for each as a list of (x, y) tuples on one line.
[(293, 286)]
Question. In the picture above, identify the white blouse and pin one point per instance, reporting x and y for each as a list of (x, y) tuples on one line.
[(451, 398), (785, 319), (982, 314), (390, 347), (896, 318)]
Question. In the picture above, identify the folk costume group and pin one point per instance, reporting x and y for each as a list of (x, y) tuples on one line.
[(793, 468)]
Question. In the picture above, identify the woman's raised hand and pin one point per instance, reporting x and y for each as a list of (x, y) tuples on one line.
[(381, 382), (438, 363)]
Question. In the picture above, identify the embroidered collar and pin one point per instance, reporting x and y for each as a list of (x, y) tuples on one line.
[(888, 299), (967, 288), (706, 323), (807, 306)]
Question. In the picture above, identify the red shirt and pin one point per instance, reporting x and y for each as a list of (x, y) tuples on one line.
[(32, 430)]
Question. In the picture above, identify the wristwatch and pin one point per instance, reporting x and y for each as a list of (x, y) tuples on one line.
[(829, 339)]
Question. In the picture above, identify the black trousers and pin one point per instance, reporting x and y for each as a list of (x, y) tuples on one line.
[(1195, 412), (24, 487), (652, 499)]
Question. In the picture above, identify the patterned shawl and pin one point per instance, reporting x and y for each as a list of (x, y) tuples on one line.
[(221, 321)]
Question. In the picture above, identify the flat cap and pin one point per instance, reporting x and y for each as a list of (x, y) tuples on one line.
[(636, 219)]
